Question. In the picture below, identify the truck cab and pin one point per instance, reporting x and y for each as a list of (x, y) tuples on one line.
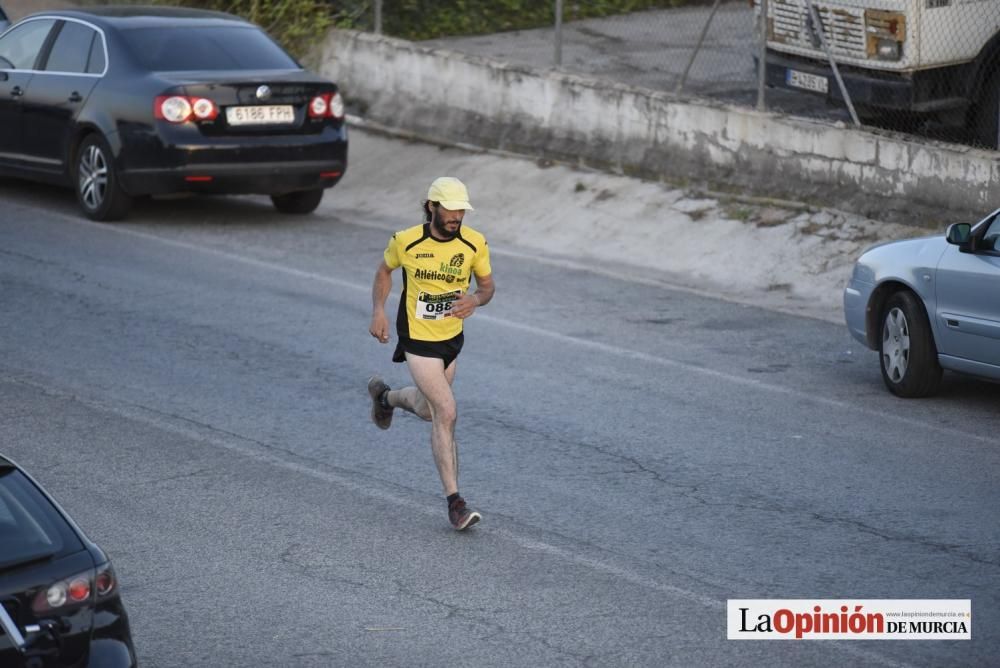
[(935, 59)]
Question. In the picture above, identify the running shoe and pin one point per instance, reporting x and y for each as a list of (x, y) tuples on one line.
[(460, 515), (381, 416)]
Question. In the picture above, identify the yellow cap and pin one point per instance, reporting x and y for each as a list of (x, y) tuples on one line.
[(450, 192)]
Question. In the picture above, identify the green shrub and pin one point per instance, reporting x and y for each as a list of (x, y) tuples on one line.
[(298, 24), (430, 19)]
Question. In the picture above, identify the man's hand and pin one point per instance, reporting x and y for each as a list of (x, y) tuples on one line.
[(379, 327), (464, 306)]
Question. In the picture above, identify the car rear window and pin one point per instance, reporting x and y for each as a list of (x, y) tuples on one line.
[(206, 48), (30, 527)]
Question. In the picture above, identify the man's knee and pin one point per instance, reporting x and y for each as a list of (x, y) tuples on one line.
[(446, 413)]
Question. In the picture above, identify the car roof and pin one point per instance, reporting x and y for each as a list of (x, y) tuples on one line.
[(130, 16), (6, 463)]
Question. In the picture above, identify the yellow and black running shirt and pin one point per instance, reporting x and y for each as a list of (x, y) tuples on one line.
[(435, 274)]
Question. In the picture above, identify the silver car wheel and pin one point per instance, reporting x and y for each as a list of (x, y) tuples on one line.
[(93, 175), (895, 345)]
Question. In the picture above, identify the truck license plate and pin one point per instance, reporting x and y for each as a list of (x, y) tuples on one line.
[(807, 81)]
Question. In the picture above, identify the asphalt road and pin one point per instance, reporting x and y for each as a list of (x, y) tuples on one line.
[(191, 386)]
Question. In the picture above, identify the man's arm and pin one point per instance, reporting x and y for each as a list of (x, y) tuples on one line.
[(380, 292), (468, 303), (484, 290)]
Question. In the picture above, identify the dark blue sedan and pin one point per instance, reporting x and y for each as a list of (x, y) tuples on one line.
[(121, 102)]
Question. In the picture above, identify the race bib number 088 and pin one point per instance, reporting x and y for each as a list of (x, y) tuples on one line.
[(435, 307)]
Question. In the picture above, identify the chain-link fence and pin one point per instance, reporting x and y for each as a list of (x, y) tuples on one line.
[(928, 67), (704, 49)]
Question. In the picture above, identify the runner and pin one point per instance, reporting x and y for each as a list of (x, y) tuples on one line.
[(439, 258)]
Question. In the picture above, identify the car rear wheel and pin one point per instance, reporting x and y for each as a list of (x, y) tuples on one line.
[(906, 350), (303, 201), (96, 179)]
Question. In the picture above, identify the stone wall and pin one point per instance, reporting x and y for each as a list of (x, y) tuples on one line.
[(443, 95)]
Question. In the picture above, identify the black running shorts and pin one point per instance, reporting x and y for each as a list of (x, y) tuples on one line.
[(446, 350)]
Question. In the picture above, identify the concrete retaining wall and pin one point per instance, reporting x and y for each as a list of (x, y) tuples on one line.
[(456, 97)]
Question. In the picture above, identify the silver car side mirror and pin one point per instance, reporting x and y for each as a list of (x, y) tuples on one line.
[(959, 234)]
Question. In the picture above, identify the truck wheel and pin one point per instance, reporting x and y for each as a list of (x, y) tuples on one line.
[(984, 121), (906, 349)]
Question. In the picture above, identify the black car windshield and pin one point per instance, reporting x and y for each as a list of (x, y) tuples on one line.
[(178, 49), (30, 528)]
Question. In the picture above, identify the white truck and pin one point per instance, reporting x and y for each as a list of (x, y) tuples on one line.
[(911, 58)]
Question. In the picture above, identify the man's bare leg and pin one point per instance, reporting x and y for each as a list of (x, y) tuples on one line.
[(433, 400), (412, 400), (433, 395)]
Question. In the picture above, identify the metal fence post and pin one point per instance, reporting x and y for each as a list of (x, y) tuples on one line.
[(378, 17), (697, 48), (762, 58), (558, 36), (817, 27)]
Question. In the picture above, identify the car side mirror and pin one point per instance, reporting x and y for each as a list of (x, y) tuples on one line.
[(959, 234)]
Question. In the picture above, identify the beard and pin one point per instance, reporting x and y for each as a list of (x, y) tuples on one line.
[(440, 228)]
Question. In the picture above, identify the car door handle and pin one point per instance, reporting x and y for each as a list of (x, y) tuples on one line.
[(75, 97), (16, 91)]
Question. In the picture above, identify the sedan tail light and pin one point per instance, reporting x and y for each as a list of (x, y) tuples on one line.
[(204, 109), (181, 109), (173, 108), (327, 105), (65, 593), (318, 106), (336, 106), (105, 583), (76, 590)]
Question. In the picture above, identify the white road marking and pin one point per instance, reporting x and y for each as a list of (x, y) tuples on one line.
[(266, 454), (606, 348)]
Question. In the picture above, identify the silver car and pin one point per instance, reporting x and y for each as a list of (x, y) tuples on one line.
[(930, 304)]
